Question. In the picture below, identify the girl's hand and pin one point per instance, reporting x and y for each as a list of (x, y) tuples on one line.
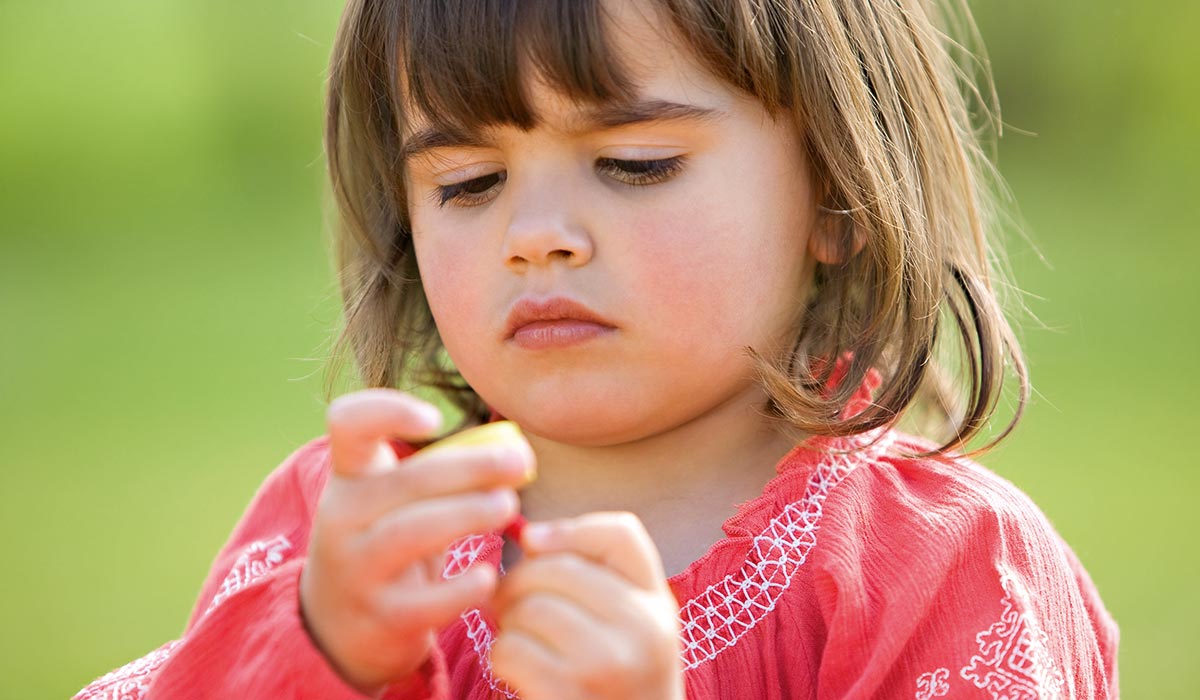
[(588, 614), (372, 592)]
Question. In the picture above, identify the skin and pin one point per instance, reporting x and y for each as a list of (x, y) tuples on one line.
[(651, 430)]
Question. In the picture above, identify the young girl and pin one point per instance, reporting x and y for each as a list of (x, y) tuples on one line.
[(702, 253)]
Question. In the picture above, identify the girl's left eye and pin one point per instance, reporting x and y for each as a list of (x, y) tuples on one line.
[(641, 172)]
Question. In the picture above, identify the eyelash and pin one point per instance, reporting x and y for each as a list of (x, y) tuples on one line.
[(636, 173)]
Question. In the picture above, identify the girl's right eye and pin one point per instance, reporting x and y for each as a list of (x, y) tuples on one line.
[(469, 193)]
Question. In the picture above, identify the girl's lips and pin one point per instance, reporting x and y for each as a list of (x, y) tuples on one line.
[(558, 322), (560, 333)]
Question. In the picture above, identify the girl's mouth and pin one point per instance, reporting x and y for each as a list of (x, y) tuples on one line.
[(559, 333), (558, 322)]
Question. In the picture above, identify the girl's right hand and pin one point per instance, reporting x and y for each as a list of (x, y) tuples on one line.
[(372, 593)]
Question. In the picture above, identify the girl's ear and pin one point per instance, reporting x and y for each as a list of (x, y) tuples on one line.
[(835, 239)]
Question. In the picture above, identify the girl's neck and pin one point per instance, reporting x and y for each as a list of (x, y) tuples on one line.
[(682, 483)]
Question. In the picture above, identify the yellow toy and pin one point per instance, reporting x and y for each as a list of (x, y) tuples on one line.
[(498, 432)]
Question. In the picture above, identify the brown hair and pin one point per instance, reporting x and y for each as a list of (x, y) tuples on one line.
[(882, 97)]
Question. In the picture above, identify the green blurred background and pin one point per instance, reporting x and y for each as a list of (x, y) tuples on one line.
[(166, 303)]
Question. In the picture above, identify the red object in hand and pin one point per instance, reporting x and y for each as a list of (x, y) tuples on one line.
[(514, 529)]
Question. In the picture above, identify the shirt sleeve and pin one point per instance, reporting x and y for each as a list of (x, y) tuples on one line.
[(938, 579), (246, 637)]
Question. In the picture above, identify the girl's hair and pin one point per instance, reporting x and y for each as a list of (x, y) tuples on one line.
[(882, 98)]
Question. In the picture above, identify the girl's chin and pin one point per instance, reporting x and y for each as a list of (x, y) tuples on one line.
[(584, 426)]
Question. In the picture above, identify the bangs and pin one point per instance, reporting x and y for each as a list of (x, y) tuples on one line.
[(461, 61)]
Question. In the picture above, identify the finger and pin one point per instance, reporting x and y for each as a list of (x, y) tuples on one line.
[(557, 623), (441, 473), (406, 608), (594, 656), (435, 565), (619, 541), (448, 469), (528, 667), (359, 424), (420, 529), (602, 592)]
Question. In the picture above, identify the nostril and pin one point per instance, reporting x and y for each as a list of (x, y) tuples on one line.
[(545, 244)]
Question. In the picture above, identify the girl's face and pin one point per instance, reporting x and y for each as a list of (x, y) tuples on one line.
[(682, 222)]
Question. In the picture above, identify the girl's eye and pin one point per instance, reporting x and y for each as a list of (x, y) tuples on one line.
[(641, 172), (471, 192), (480, 190)]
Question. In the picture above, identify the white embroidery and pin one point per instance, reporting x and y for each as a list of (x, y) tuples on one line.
[(1013, 662), (933, 684), (131, 681), (255, 561), (717, 618), (462, 554), (481, 638)]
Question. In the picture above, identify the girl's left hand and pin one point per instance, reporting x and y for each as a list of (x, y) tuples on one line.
[(588, 614)]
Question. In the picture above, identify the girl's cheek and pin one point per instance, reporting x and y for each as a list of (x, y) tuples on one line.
[(673, 259), (683, 250), (450, 277)]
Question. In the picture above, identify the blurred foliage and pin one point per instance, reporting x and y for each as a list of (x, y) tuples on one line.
[(166, 303)]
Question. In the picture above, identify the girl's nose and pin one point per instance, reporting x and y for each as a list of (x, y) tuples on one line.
[(543, 231)]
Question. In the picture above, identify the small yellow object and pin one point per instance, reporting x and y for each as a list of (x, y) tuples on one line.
[(488, 433)]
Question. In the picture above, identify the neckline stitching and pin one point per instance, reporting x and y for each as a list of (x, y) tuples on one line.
[(715, 619)]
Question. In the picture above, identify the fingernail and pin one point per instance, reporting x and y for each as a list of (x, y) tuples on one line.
[(503, 500), (537, 535), (514, 461), (430, 415), (510, 461)]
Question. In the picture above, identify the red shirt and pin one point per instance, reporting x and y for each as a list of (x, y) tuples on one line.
[(867, 574)]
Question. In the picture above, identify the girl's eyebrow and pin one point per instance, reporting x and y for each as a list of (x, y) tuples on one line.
[(609, 116)]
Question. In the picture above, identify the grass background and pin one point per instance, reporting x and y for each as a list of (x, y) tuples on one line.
[(166, 300)]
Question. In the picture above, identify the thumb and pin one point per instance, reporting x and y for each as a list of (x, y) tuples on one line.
[(360, 423)]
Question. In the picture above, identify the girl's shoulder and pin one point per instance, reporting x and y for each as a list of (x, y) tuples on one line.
[(954, 564), (940, 501), (303, 472), (887, 510)]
